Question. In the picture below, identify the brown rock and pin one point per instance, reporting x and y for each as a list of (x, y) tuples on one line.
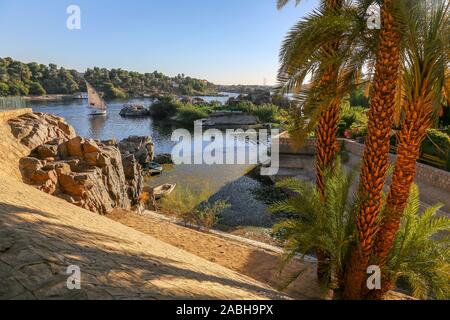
[(36, 129), (28, 166), (92, 158), (90, 174), (74, 147), (90, 146), (47, 151)]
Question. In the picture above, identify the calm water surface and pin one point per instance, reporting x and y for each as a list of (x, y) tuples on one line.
[(222, 181)]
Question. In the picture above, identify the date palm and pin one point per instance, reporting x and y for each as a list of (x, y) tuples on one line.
[(425, 67), (375, 160), (318, 46)]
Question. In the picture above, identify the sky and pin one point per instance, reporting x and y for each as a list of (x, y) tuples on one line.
[(223, 41)]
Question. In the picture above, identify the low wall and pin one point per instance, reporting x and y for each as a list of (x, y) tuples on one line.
[(425, 174), (10, 114)]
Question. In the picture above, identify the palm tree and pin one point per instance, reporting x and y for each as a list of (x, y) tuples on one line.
[(420, 255), (318, 46), (425, 68), (375, 161), (317, 224)]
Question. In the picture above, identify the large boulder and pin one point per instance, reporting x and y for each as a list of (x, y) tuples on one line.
[(141, 147), (36, 129), (87, 173)]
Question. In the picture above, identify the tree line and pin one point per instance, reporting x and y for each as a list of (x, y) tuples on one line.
[(23, 79)]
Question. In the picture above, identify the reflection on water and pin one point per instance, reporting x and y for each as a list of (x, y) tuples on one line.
[(214, 177)]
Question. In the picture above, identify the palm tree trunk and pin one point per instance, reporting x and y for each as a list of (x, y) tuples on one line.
[(414, 129), (375, 163), (327, 148)]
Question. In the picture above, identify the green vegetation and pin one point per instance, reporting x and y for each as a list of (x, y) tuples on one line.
[(193, 207), (418, 262), (319, 226), (353, 123), (189, 113), (18, 78), (186, 112), (420, 255), (266, 113), (165, 108)]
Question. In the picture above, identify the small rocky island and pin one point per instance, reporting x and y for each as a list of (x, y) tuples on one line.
[(96, 175), (134, 111)]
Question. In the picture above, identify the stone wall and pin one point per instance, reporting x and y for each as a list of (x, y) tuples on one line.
[(425, 174)]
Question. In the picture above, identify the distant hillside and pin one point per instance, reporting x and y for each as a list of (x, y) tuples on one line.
[(22, 79)]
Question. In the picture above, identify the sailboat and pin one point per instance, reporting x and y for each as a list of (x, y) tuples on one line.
[(95, 102)]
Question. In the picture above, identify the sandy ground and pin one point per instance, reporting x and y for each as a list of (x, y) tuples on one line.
[(256, 263)]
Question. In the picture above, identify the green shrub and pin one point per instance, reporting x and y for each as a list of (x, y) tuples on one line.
[(353, 123), (165, 108), (189, 113), (208, 214), (420, 255), (4, 89), (36, 89), (112, 92), (266, 113)]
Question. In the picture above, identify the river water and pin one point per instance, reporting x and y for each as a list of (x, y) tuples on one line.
[(221, 182)]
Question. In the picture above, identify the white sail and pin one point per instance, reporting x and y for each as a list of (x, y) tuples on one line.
[(94, 99)]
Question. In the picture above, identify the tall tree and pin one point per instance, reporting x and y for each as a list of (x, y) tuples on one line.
[(426, 65), (319, 46), (375, 162)]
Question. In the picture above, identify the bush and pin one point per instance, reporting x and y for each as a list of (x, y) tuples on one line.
[(4, 89), (189, 113), (111, 92), (193, 207), (353, 123), (165, 108), (207, 214), (266, 113), (18, 89), (36, 89)]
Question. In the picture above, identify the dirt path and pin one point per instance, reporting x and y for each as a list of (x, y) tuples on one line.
[(256, 263)]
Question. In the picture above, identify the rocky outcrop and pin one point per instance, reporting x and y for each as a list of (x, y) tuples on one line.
[(36, 129), (134, 111), (142, 148), (90, 174)]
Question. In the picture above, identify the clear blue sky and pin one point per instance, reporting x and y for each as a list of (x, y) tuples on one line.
[(224, 41)]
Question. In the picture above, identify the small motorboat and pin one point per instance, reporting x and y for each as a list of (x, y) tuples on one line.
[(164, 190), (154, 168)]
